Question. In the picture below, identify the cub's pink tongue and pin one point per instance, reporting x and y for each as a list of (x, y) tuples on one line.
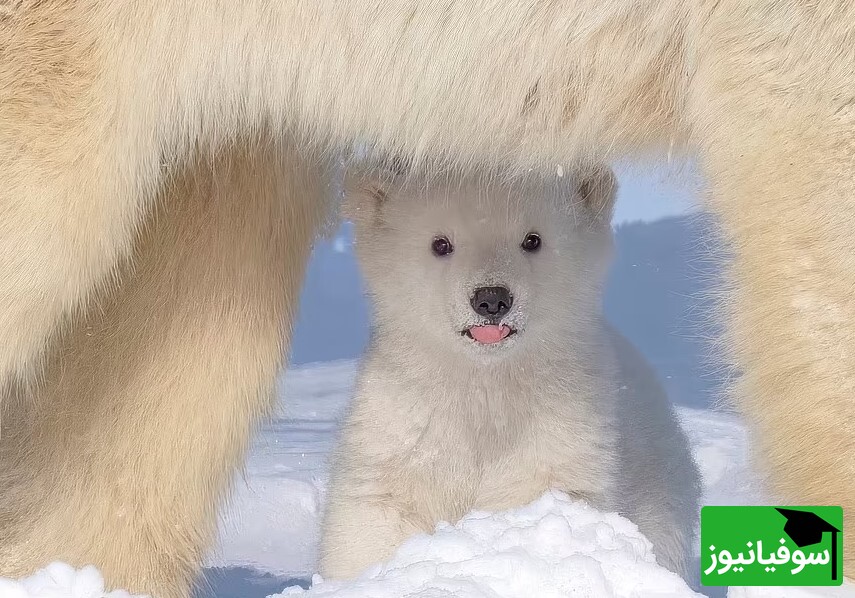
[(488, 335)]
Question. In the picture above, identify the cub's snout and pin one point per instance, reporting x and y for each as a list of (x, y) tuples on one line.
[(492, 302)]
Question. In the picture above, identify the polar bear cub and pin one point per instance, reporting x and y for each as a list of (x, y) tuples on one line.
[(492, 375)]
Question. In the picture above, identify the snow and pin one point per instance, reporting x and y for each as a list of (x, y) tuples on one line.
[(552, 547), (59, 580)]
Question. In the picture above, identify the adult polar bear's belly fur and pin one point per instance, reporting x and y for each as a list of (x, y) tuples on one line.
[(492, 376), (161, 188)]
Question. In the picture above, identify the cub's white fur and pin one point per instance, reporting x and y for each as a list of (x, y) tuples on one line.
[(442, 424)]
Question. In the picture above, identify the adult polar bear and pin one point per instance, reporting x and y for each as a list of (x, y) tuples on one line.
[(159, 199)]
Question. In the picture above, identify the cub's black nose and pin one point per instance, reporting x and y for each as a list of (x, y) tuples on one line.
[(492, 302)]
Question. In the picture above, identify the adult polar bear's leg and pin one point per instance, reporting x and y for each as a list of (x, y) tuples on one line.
[(779, 131), (153, 398)]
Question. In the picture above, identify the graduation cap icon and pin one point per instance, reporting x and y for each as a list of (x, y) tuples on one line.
[(806, 528)]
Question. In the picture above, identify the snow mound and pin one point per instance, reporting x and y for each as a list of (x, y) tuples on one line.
[(553, 547), (59, 580)]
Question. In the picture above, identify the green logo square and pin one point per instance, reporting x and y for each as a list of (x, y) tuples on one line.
[(772, 546)]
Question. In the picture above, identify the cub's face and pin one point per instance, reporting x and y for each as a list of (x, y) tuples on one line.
[(481, 267)]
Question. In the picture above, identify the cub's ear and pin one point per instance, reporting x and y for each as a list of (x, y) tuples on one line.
[(364, 196), (367, 188), (597, 191)]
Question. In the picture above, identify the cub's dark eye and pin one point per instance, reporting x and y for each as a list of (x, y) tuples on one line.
[(441, 246), (531, 242)]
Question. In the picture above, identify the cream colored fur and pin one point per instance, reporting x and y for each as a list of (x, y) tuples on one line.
[(147, 404), (441, 425), (102, 104)]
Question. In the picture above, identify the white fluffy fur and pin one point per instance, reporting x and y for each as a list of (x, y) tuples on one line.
[(441, 425), (110, 109)]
